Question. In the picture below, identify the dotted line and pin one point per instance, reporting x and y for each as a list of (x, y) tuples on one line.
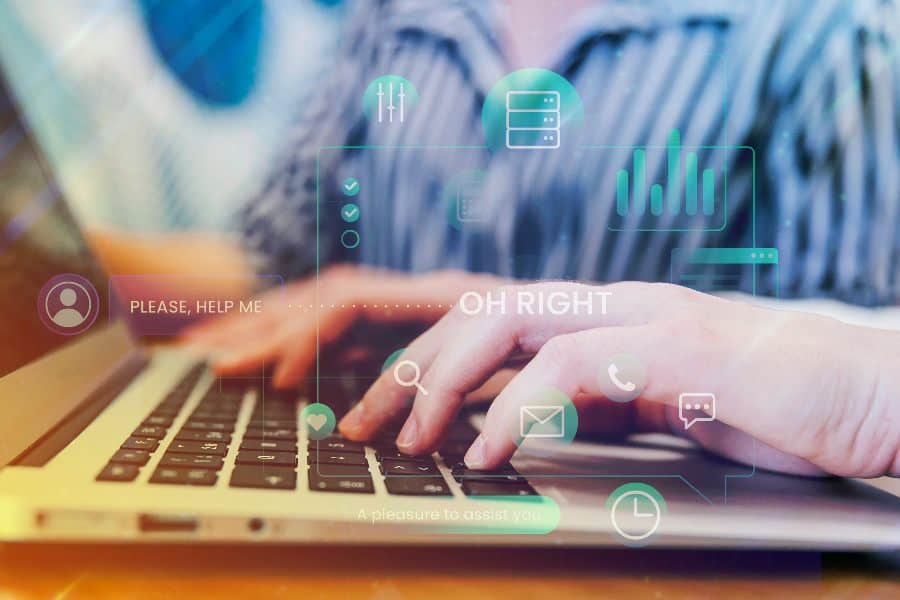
[(375, 306)]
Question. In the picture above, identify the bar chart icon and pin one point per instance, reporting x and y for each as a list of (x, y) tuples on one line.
[(676, 187), (532, 119), (697, 196)]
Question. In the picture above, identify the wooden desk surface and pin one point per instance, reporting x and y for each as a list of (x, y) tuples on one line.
[(74, 572)]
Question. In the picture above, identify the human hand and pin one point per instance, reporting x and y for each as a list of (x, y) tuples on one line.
[(296, 315), (815, 392)]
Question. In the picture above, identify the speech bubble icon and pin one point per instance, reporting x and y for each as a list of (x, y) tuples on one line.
[(696, 407)]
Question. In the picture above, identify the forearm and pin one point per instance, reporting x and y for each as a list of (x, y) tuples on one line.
[(207, 265)]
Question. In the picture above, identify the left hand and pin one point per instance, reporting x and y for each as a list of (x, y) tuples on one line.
[(303, 317)]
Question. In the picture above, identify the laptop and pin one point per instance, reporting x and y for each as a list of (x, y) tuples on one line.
[(103, 439)]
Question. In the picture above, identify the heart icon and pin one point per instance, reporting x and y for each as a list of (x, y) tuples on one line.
[(317, 422)]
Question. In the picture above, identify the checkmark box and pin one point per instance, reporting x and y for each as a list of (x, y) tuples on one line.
[(350, 186), (350, 213)]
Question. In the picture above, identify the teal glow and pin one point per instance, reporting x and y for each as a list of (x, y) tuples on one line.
[(673, 185), (690, 183), (656, 199), (622, 193), (709, 192), (640, 181)]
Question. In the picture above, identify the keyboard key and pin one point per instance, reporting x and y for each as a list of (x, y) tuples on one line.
[(116, 472), (159, 420), (263, 457), (131, 457), (278, 420), (460, 470), (272, 434), (168, 410), (336, 458), (276, 478), (489, 488), (417, 486), (272, 423), (391, 468), (213, 448), (393, 453), (192, 461), (340, 483), (223, 426), (208, 415), (141, 443), (150, 431), (270, 445), (339, 470), (229, 401), (490, 476), (203, 436), (221, 405), (177, 476), (336, 445)]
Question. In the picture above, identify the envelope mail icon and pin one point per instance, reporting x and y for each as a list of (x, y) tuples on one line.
[(542, 422)]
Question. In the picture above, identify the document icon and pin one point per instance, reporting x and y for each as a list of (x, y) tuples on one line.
[(542, 422), (469, 206)]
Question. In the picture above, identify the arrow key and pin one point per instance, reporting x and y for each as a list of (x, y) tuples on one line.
[(336, 458), (390, 467)]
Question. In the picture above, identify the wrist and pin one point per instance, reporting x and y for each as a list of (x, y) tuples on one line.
[(876, 356)]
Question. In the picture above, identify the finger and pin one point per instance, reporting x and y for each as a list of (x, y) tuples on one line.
[(253, 355), (377, 297), (432, 413), (483, 343), (231, 345), (304, 341), (386, 398), (567, 363), (229, 333), (677, 361)]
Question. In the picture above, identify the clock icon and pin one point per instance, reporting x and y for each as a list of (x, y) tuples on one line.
[(635, 513)]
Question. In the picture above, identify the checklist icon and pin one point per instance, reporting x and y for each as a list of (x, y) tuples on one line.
[(469, 204), (532, 119)]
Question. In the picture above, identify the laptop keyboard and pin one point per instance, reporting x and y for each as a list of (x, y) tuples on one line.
[(268, 455)]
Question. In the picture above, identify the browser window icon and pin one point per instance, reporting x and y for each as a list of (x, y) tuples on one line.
[(542, 422)]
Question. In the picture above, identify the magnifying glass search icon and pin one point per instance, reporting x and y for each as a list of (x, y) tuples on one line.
[(412, 368)]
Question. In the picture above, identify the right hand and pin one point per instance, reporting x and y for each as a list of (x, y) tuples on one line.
[(798, 384)]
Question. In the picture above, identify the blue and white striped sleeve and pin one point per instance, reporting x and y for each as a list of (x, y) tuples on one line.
[(831, 169), (278, 225)]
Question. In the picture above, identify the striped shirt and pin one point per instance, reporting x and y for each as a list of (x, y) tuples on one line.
[(811, 86)]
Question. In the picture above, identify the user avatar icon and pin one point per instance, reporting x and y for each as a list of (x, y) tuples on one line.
[(68, 304)]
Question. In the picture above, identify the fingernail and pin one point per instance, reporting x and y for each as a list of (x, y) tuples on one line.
[(408, 434), (475, 455), (354, 419)]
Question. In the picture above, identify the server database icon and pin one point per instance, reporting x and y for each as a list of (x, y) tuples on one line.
[(532, 119)]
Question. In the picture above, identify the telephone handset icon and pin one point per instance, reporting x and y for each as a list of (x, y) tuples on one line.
[(625, 386)]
